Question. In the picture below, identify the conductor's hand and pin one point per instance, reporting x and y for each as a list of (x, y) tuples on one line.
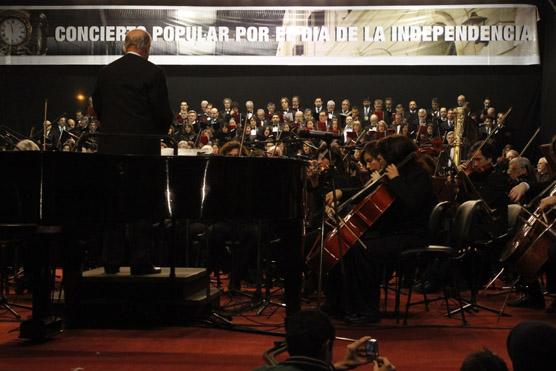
[(355, 355), (329, 198), (392, 171)]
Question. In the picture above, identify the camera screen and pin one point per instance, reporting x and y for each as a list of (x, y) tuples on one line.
[(371, 349)]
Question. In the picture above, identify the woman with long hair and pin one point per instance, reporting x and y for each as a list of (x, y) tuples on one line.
[(402, 226)]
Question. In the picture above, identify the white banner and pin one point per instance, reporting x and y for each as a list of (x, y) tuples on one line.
[(400, 35)]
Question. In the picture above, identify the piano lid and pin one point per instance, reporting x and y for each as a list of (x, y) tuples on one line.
[(98, 188)]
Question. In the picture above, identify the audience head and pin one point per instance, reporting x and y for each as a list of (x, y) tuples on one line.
[(310, 333), (532, 346), (483, 360)]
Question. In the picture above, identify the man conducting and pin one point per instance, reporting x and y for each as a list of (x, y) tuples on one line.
[(131, 100)]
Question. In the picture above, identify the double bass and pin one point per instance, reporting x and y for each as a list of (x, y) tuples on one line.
[(352, 226)]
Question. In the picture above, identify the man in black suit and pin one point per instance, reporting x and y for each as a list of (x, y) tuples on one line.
[(131, 100), (411, 115), (317, 108), (131, 97)]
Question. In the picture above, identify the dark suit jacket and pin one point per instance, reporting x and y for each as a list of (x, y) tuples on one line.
[(53, 137), (131, 97), (316, 114)]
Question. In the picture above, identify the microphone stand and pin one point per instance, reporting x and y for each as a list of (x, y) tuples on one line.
[(44, 125), (337, 223), (242, 141)]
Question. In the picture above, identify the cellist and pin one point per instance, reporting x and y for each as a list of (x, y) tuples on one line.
[(489, 183), (353, 285), (531, 294)]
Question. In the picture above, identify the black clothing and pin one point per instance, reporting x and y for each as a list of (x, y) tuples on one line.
[(215, 124), (502, 137), (316, 112), (402, 226), (531, 346), (493, 186), (446, 126), (53, 137), (246, 234), (470, 133), (412, 119), (299, 363), (131, 97), (131, 100)]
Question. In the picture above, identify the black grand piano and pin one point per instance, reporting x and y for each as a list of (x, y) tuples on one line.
[(56, 189)]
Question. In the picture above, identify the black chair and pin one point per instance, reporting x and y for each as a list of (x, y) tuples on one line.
[(468, 244), (409, 263), (450, 230), (514, 212)]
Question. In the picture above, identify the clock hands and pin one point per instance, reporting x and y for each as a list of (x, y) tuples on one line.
[(12, 28)]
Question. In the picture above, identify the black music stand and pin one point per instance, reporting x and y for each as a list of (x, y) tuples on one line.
[(333, 170), (4, 301)]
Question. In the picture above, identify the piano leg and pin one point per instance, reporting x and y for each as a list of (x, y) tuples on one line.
[(42, 323), (72, 259), (291, 265)]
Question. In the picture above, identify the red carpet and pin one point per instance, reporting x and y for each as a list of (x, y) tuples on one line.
[(430, 342)]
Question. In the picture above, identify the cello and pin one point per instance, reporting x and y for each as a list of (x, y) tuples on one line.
[(527, 252), (351, 227)]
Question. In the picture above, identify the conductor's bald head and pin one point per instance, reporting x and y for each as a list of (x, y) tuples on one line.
[(138, 41)]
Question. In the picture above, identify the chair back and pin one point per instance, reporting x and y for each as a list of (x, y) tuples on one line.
[(467, 219), (441, 222)]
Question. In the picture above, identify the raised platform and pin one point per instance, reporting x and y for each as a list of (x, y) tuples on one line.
[(121, 299)]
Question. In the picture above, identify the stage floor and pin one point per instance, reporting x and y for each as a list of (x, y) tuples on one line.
[(429, 342)]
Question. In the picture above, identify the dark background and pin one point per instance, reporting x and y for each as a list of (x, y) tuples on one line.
[(529, 89)]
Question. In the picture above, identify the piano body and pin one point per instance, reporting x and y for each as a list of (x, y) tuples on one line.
[(43, 190)]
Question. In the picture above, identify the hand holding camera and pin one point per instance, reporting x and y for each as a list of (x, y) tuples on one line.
[(363, 351)]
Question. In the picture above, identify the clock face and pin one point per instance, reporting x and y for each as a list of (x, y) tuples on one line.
[(13, 31)]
